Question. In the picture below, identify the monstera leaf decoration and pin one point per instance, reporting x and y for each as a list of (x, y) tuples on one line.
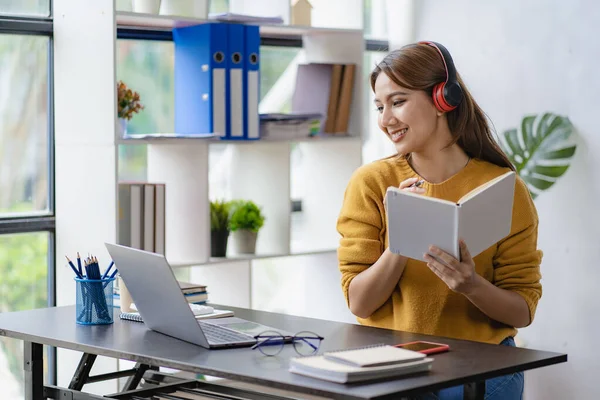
[(539, 149)]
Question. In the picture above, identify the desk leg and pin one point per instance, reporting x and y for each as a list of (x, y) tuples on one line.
[(82, 372), (34, 370), (135, 379), (474, 391)]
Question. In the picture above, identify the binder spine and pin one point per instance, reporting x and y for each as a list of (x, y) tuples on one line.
[(235, 62), (252, 82), (218, 69)]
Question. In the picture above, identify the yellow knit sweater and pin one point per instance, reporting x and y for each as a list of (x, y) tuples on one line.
[(421, 302)]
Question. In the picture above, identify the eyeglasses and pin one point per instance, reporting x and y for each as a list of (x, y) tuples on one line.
[(270, 343)]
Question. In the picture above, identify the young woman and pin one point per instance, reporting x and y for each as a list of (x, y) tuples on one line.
[(442, 138)]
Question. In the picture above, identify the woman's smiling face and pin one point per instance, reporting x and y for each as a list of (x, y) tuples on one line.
[(408, 117)]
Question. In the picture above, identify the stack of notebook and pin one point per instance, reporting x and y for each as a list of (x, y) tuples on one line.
[(362, 364), (194, 293)]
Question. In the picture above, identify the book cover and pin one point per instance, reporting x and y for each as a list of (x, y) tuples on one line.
[(374, 356), (482, 217)]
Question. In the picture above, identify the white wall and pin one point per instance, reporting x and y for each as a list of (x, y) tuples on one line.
[(528, 58)]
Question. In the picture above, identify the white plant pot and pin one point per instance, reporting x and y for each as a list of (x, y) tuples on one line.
[(146, 6), (185, 8), (244, 241)]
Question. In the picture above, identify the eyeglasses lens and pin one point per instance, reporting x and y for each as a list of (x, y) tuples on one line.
[(270, 343), (306, 343)]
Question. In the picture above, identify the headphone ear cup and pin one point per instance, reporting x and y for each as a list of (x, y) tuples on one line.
[(446, 97), (453, 94), (438, 96)]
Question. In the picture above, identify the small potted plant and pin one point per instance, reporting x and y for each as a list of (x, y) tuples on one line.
[(245, 222), (219, 227), (128, 103)]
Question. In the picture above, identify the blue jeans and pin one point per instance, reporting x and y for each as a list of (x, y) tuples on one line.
[(507, 387)]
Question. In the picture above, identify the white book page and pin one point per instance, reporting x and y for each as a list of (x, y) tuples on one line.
[(486, 218), (415, 222)]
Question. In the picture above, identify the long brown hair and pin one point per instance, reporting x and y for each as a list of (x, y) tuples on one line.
[(420, 67)]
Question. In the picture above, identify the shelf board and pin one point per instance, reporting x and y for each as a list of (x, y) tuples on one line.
[(248, 257), (168, 138), (214, 140), (131, 20)]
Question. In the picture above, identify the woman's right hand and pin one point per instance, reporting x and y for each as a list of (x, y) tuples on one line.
[(406, 185)]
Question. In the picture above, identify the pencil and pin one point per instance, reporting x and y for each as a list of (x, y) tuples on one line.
[(79, 264), (108, 269), (73, 268)]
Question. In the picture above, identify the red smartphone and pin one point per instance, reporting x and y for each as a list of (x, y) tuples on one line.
[(425, 347)]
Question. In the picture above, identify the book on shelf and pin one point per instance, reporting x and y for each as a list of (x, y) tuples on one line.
[(361, 364), (194, 293), (288, 126), (326, 89), (141, 219), (245, 18), (482, 217)]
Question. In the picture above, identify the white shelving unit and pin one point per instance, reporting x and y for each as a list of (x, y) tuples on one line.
[(260, 170), (87, 164)]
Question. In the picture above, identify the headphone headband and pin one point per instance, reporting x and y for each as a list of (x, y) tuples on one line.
[(446, 58), (446, 95)]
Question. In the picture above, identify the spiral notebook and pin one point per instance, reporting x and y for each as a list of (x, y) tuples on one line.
[(134, 316), (361, 364)]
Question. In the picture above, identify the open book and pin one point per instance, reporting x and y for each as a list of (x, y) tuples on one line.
[(482, 217)]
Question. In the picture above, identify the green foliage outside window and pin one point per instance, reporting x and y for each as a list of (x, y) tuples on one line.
[(24, 272)]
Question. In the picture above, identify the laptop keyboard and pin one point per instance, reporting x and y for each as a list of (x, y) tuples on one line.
[(216, 334)]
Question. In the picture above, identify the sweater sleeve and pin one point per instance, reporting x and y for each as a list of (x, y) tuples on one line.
[(361, 226), (517, 260)]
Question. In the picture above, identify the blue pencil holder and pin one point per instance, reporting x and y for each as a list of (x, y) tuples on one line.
[(94, 303)]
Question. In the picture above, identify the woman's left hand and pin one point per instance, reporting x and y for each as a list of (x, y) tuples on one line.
[(460, 276)]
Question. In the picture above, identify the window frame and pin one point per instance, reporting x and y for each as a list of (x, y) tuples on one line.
[(39, 221)]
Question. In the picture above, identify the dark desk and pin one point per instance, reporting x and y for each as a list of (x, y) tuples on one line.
[(467, 362)]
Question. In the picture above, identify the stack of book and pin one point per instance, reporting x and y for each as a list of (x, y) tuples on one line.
[(142, 216), (361, 364), (194, 293), (326, 89)]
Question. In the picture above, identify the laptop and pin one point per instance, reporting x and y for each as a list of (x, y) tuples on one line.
[(163, 307)]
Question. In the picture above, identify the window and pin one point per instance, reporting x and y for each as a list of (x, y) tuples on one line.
[(24, 285), (24, 155), (375, 21), (26, 176), (147, 68), (25, 8)]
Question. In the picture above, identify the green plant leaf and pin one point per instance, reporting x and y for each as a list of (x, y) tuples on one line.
[(527, 133), (538, 183), (567, 152), (246, 215), (539, 149), (554, 171), (513, 142), (219, 215)]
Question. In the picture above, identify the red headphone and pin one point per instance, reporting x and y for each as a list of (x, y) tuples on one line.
[(446, 95)]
